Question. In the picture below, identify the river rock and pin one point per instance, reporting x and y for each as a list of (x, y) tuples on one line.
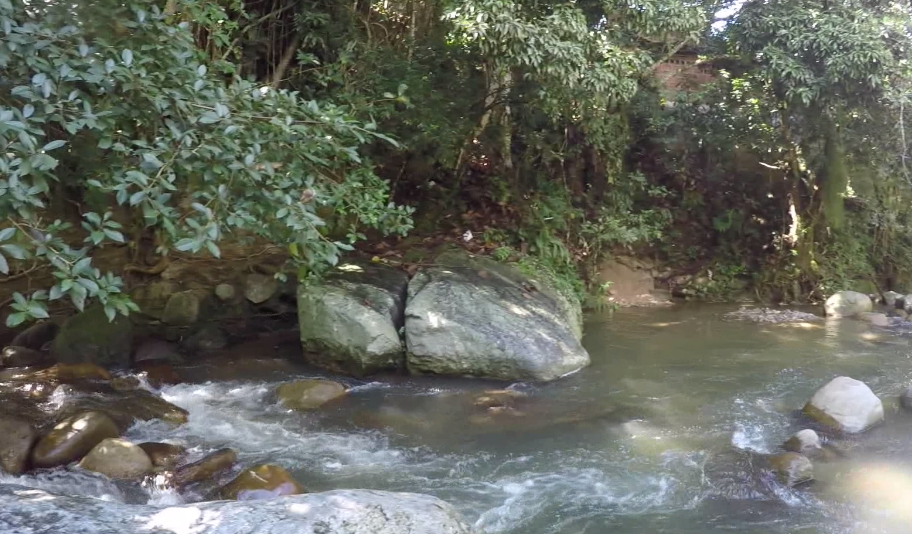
[(16, 439), (73, 438), (164, 455), (308, 394), (90, 337), (205, 469), (225, 292), (124, 407), (476, 317), (68, 373), (847, 304), (875, 319), (805, 442), (262, 481), (159, 373), (792, 468), (258, 288), (845, 404), (117, 459), (905, 398), (892, 299), (184, 308), (351, 322), (37, 336), (332, 512), (15, 356)]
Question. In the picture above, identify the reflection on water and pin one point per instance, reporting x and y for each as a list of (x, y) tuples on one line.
[(665, 432)]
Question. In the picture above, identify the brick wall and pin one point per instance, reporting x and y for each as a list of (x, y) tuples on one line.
[(680, 73)]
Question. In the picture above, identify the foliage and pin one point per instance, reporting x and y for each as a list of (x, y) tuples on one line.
[(136, 115)]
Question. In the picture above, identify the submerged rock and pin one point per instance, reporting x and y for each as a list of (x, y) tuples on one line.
[(845, 404), (90, 337), (875, 319), (805, 442), (309, 394), (164, 455), (905, 398), (117, 459), (769, 315), (792, 468), (37, 336), (16, 439), (476, 317), (351, 322), (847, 304), (205, 469), (332, 512), (262, 481), (73, 438)]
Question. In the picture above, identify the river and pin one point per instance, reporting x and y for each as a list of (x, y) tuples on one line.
[(655, 437)]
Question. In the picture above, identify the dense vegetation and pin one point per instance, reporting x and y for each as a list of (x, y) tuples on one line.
[(540, 126)]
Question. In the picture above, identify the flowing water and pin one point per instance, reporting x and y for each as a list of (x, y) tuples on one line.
[(665, 432)]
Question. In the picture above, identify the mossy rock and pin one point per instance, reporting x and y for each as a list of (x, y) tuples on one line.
[(91, 337)]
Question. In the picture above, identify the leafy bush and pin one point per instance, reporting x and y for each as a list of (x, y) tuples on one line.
[(131, 112)]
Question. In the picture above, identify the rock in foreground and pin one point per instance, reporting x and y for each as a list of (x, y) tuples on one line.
[(333, 512), (475, 317), (118, 459), (845, 404), (847, 304)]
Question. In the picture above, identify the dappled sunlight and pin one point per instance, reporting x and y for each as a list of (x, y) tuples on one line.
[(351, 268)]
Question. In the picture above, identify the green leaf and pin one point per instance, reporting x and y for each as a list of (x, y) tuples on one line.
[(7, 233), (185, 245), (57, 143), (213, 249), (56, 292), (4, 266), (38, 310), (110, 312), (137, 197), (114, 235), (14, 251), (16, 319), (127, 56), (78, 296)]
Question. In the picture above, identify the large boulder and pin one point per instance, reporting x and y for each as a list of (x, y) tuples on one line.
[(847, 304), (72, 439), (845, 404), (90, 337), (117, 459), (351, 321), (333, 512), (16, 439), (476, 317)]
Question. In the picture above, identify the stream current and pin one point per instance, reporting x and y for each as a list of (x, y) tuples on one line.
[(663, 433)]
